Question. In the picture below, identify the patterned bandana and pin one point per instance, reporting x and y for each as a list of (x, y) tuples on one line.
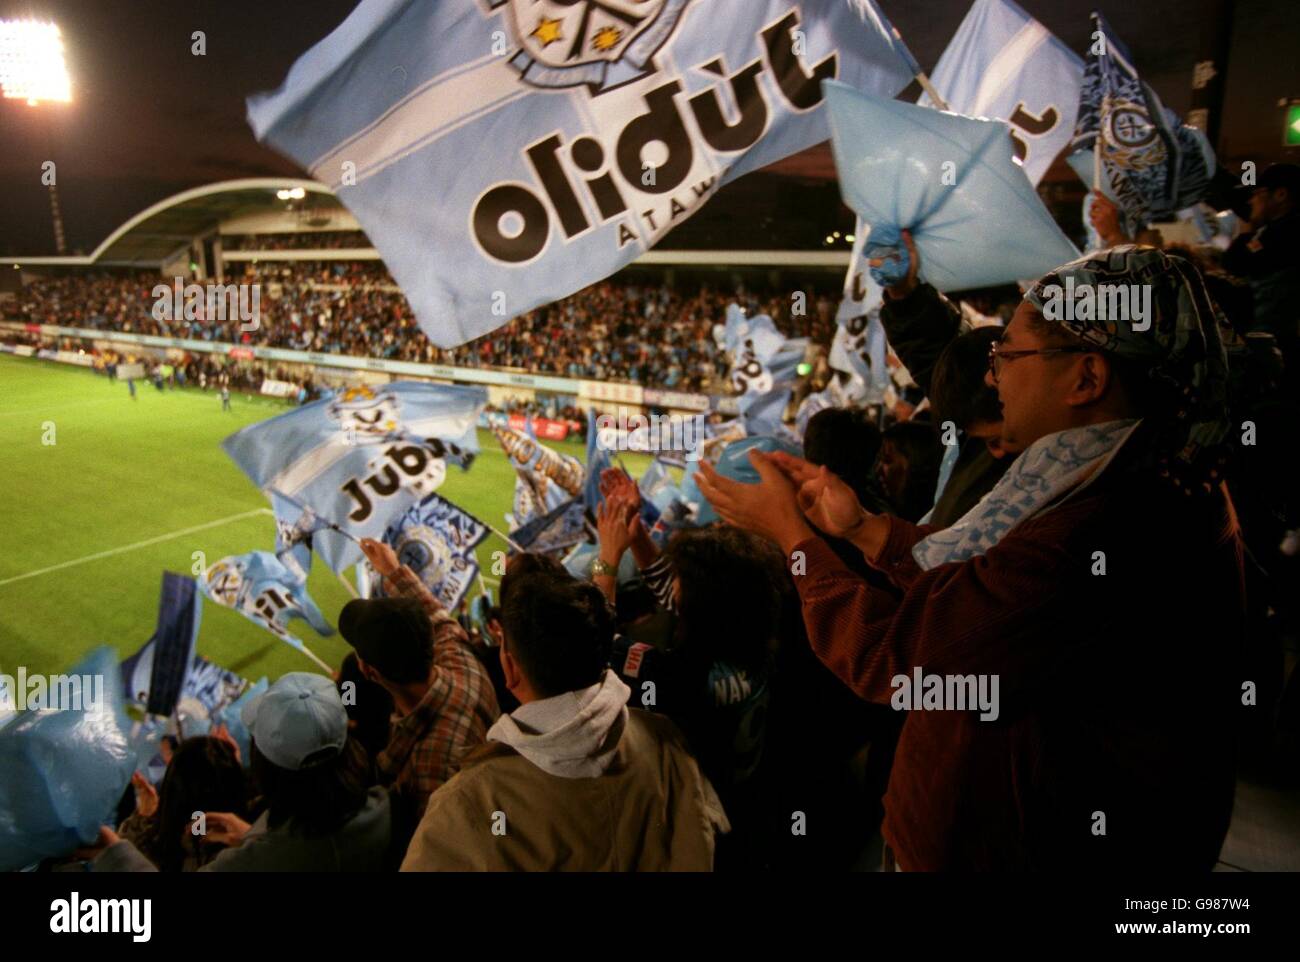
[(1179, 338), (1049, 470)]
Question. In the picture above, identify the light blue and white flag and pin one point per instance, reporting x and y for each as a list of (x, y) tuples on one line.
[(544, 479), (764, 365), (561, 528), (295, 524), (362, 458), (507, 153), (262, 589), (1150, 163), (859, 347), (436, 539), (1003, 64), (598, 460), (951, 180)]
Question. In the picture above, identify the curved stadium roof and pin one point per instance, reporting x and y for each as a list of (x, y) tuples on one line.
[(160, 231)]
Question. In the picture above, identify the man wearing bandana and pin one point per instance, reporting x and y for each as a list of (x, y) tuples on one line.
[(1100, 584)]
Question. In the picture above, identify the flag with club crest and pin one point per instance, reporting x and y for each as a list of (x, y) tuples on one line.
[(1004, 64), (561, 138), (261, 588), (436, 539), (1140, 154), (361, 458), (544, 479)]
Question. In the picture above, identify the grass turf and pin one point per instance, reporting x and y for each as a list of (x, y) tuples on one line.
[(129, 489)]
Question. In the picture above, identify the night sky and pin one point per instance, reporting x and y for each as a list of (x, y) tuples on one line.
[(149, 119)]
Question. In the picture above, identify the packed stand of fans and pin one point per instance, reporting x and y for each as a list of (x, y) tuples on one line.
[(648, 334)]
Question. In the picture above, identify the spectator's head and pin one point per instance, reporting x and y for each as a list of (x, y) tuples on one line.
[(846, 441), (203, 776), (1276, 194), (557, 635), (392, 638), (728, 585), (1165, 362), (525, 563), (369, 708), (306, 766), (910, 454), (959, 393)]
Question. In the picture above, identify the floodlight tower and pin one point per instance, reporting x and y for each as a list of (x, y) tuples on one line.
[(32, 68)]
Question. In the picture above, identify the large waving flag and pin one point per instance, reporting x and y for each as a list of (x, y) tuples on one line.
[(1140, 154), (361, 458), (64, 771), (544, 479), (764, 365), (261, 588), (502, 154), (974, 216), (1004, 64), (436, 539)]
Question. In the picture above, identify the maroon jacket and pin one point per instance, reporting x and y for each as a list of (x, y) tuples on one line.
[(1119, 692)]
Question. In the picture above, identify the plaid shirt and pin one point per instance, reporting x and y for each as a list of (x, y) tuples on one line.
[(425, 748)]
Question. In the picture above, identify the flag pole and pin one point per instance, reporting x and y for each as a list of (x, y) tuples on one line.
[(347, 584), (312, 655), (918, 73), (504, 537)]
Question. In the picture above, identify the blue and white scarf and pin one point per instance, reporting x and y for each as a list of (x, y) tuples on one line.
[(1049, 470)]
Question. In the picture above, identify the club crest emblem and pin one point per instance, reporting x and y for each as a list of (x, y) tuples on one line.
[(364, 412), (598, 43)]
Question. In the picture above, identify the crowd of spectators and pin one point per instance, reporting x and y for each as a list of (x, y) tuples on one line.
[(646, 333)]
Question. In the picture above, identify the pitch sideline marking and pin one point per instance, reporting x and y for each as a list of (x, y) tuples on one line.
[(139, 544)]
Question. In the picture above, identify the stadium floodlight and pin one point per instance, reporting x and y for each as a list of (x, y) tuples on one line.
[(31, 63), (291, 193)]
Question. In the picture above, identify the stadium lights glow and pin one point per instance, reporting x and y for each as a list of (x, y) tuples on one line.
[(850, 238), (31, 62), (293, 193)]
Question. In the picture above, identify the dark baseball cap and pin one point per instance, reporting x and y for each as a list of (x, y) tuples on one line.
[(1282, 175), (392, 635)]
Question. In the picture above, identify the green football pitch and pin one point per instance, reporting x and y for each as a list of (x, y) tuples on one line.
[(102, 494)]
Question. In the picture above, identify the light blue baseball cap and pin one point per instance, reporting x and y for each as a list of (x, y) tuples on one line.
[(296, 719)]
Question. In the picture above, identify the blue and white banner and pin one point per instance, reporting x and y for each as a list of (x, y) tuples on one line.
[(560, 528), (363, 457), (503, 154), (1004, 64), (764, 365), (263, 590), (436, 539), (544, 479), (859, 347), (1150, 163)]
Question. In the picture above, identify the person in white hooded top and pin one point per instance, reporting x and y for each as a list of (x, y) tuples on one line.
[(572, 780)]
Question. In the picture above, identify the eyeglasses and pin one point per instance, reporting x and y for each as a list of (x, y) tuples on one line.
[(997, 357)]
